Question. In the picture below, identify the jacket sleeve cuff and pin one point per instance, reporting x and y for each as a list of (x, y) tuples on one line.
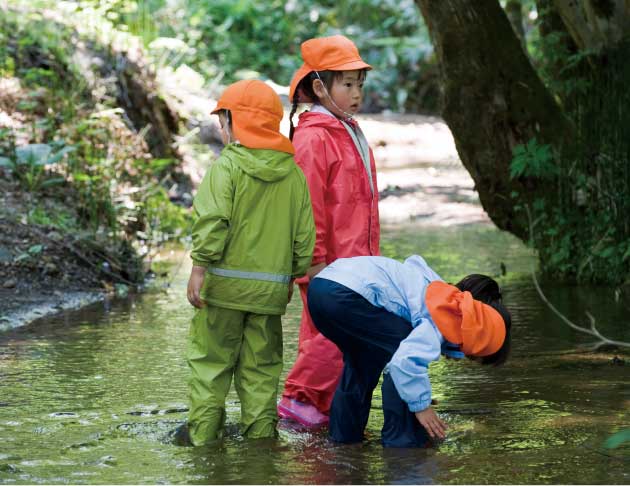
[(419, 405), (452, 350), (199, 263)]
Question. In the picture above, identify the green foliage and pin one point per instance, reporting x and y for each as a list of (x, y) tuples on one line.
[(96, 163), (581, 228), (33, 252), (562, 67), (582, 246), (237, 39), (136, 17), (29, 163), (166, 221), (533, 160), (58, 218), (117, 184), (617, 439), (230, 40)]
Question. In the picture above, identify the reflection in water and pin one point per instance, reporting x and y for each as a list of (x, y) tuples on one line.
[(93, 396)]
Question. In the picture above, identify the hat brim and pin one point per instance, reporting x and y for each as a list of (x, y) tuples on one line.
[(299, 75), (217, 109), (350, 66)]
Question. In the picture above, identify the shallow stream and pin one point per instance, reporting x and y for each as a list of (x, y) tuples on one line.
[(90, 397)]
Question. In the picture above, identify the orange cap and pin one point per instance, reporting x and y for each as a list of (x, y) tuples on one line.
[(476, 326), (256, 113), (334, 53)]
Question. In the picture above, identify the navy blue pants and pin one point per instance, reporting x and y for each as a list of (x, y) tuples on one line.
[(368, 336)]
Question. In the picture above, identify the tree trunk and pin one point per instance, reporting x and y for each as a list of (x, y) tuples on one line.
[(558, 48), (493, 100), (514, 12), (595, 24)]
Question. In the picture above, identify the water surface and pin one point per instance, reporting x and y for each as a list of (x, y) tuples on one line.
[(90, 397)]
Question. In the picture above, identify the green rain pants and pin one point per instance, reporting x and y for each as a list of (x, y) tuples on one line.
[(223, 342)]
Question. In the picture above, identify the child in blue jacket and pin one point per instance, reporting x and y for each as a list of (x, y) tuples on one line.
[(383, 314)]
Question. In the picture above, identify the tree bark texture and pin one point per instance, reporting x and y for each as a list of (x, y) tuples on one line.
[(514, 11), (595, 24), (492, 100)]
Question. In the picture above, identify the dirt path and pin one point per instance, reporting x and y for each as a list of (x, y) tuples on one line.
[(420, 176)]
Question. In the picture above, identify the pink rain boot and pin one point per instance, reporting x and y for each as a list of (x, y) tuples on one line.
[(303, 413)]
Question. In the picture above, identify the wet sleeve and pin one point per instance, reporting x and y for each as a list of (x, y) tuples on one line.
[(213, 209), (409, 366), (305, 237), (311, 156)]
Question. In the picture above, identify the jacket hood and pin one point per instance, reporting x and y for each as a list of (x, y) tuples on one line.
[(264, 164)]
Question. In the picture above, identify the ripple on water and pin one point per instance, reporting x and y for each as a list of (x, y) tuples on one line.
[(94, 396)]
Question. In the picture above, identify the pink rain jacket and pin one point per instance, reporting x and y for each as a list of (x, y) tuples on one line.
[(347, 225), (345, 210)]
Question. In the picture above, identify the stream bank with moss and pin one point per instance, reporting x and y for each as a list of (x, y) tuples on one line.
[(91, 177)]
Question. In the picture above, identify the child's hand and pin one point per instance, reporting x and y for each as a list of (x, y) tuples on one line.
[(195, 282), (315, 269), (432, 423)]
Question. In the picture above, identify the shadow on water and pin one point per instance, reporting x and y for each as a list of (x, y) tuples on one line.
[(93, 396)]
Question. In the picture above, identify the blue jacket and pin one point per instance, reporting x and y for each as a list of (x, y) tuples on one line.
[(400, 288)]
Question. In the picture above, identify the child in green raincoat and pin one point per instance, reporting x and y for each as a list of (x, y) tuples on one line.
[(254, 234)]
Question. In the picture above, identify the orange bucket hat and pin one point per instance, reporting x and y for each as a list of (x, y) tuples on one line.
[(256, 114), (477, 327), (334, 53)]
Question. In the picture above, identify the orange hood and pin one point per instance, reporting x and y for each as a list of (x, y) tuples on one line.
[(256, 114), (476, 327), (334, 53)]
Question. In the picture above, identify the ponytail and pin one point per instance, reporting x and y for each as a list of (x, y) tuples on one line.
[(293, 110), (305, 86)]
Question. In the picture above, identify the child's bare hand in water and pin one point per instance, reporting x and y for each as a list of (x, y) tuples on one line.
[(195, 282), (432, 423)]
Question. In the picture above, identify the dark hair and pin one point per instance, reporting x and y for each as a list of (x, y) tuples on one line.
[(306, 86), (486, 290), (228, 117)]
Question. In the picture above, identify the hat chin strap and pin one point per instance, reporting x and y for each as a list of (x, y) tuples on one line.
[(349, 116)]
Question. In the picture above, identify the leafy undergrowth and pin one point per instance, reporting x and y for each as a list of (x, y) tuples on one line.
[(85, 199)]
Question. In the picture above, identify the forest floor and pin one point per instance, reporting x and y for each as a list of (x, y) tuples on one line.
[(420, 179)]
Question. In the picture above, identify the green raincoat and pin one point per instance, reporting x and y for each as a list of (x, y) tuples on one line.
[(250, 234), (254, 233)]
